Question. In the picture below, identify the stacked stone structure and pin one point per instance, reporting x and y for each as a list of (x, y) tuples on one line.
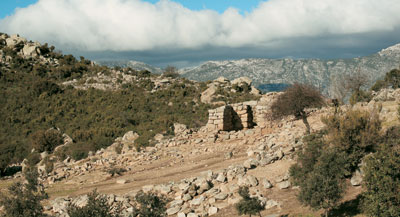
[(241, 116)]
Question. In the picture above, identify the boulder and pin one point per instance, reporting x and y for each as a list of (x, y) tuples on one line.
[(251, 163), (222, 79), (130, 137), (31, 50), (242, 80), (284, 185), (208, 95), (173, 210), (212, 210), (356, 179), (179, 128)]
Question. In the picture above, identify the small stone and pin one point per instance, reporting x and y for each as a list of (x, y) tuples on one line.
[(284, 185), (221, 177), (221, 196), (357, 179), (250, 163), (212, 210), (173, 210), (181, 214), (266, 183), (122, 181)]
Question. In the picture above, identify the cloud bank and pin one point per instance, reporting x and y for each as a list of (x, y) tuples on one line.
[(134, 25)]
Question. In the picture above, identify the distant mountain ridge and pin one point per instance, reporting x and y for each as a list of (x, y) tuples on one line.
[(321, 73)]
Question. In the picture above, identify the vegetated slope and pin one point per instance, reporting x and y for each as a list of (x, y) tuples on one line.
[(321, 73), (40, 89), (136, 65)]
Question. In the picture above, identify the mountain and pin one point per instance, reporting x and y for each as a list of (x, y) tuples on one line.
[(135, 65), (321, 73)]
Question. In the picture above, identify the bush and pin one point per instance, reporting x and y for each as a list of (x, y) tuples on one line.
[(295, 100), (116, 171), (248, 205), (150, 205), (97, 206), (392, 78), (324, 185), (379, 84), (171, 72), (24, 199), (382, 182), (360, 96), (356, 133), (46, 140)]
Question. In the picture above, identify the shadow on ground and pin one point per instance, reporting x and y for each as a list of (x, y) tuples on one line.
[(348, 208)]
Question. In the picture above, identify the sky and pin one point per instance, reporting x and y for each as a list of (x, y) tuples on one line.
[(188, 32)]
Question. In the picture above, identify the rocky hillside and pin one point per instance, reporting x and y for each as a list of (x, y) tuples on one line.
[(42, 89)]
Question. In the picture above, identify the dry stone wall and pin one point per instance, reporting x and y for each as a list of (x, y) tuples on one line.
[(241, 116)]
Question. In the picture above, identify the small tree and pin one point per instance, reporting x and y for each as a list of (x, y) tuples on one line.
[(382, 183), (295, 100), (320, 174), (150, 205), (24, 199), (171, 72), (97, 206), (248, 205)]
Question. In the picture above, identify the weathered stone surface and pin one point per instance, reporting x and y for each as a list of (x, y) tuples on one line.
[(173, 210), (221, 196), (266, 183), (197, 201), (284, 185), (212, 210), (251, 163), (356, 179)]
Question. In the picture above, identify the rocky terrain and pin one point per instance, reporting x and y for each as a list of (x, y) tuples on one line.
[(200, 171)]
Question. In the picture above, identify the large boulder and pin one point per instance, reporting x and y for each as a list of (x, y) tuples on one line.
[(31, 50), (14, 40), (208, 95)]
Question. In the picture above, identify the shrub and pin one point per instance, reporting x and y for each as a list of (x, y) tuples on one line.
[(379, 84), (356, 133), (150, 205), (116, 171), (24, 199), (382, 182), (360, 96), (392, 78), (46, 140), (97, 206), (171, 72), (248, 205), (295, 100), (323, 186), (33, 158)]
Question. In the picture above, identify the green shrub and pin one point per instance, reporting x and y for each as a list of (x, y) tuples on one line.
[(33, 158), (24, 199), (116, 171), (97, 206), (248, 205), (360, 96), (379, 84), (46, 140), (323, 185), (382, 182), (356, 133), (150, 205), (392, 78)]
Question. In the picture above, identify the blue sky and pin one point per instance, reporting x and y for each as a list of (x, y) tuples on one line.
[(168, 34), (8, 6)]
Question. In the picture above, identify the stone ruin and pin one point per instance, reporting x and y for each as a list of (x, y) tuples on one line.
[(241, 116)]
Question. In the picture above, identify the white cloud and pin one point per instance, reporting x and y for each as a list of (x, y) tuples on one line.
[(134, 25)]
